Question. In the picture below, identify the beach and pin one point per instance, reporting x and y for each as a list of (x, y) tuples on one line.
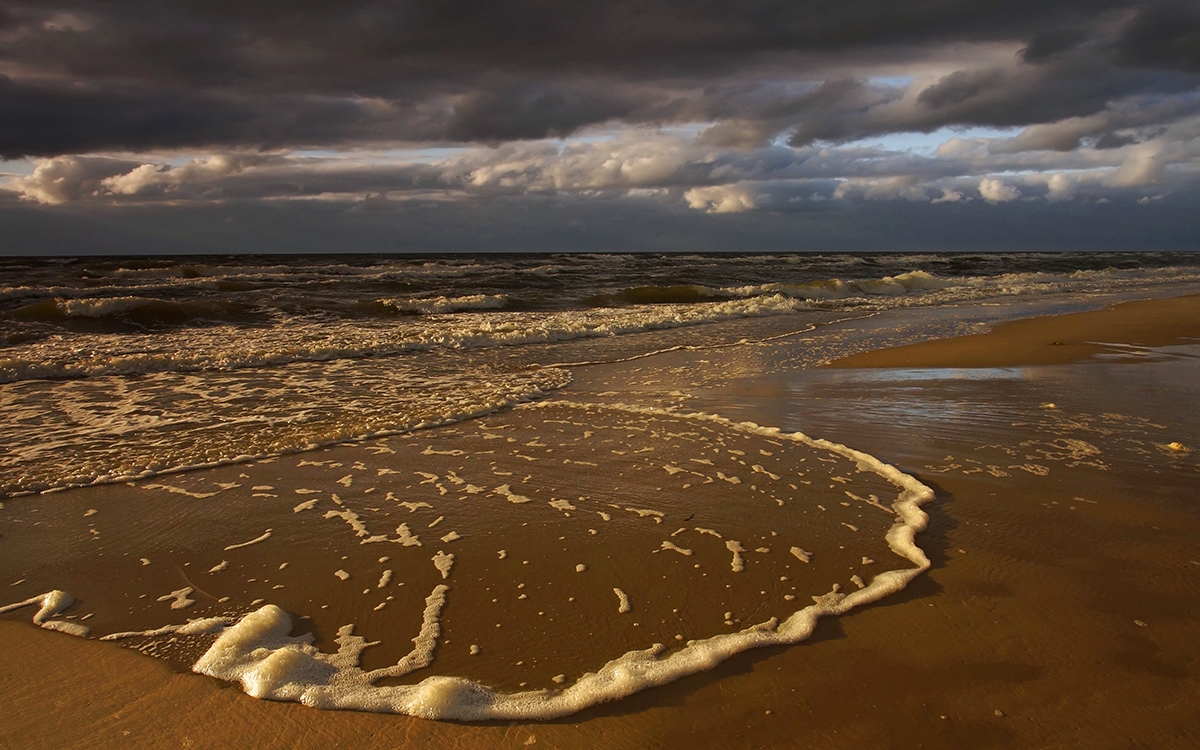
[(663, 496)]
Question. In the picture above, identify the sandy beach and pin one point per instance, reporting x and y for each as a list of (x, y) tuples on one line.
[(1051, 340), (1060, 609)]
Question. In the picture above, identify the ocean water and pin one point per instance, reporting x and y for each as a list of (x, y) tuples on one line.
[(240, 464), (121, 368)]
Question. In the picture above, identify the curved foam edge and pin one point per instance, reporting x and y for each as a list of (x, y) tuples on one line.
[(259, 653)]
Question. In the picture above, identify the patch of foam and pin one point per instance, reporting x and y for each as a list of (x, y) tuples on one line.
[(507, 493), (181, 598), (671, 546), (350, 517), (623, 604), (178, 490), (758, 469), (803, 555), (264, 537), (657, 515), (405, 538), (50, 605), (202, 626), (219, 567), (737, 565), (443, 562), (259, 653)]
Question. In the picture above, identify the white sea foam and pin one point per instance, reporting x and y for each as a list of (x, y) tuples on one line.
[(180, 598), (261, 538), (50, 605), (432, 305), (259, 653), (738, 563), (623, 603), (923, 288), (222, 348), (202, 626)]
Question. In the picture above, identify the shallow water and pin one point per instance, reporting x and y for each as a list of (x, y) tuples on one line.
[(562, 505)]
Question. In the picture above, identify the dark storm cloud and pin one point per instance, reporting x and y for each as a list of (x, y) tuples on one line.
[(39, 119), (365, 43), (1163, 35), (46, 118), (87, 76)]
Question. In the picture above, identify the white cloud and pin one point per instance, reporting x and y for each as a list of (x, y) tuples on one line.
[(134, 180), (882, 188), (949, 196), (67, 178), (653, 164), (1060, 187), (1142, 166), (997, 191), (721, 199), (961, 147), (198, 172)]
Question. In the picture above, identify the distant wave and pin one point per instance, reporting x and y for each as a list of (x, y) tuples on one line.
[(441, 305), (923, 287), (128, 312), (657, 295), (219, 347)]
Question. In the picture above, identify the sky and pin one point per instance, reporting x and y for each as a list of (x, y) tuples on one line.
[(181, 126)]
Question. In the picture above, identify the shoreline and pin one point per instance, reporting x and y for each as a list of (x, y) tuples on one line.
[(995, 641), (1050, 340)]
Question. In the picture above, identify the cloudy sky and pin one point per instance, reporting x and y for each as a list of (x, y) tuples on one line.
[(442, 125)]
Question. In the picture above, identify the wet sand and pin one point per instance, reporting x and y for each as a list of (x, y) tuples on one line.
[(1061, 609), (1051, 340)]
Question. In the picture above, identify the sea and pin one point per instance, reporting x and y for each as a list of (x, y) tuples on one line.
[(466, 428)]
